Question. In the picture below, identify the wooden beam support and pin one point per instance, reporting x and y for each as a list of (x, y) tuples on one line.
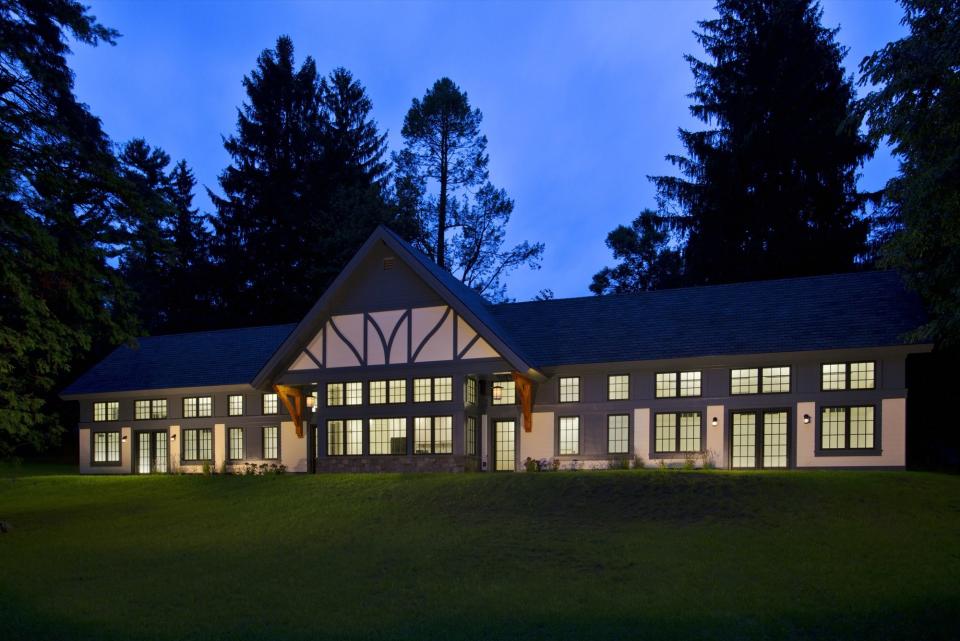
[(292, 399), (524, 388)]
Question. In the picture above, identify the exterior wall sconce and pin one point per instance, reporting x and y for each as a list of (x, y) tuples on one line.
[(124, 438), (497, 392), (311, 401), (173, 437), (714, 422), (806, 419)]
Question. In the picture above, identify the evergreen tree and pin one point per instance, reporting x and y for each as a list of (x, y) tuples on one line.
[(61, 304), (769, 188), (442, 183), (917, 108), (647, 261), (191, 279)]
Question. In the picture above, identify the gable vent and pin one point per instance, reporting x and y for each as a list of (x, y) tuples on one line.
[(388, 262)]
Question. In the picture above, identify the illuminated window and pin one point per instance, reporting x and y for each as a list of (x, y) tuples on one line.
[(345, 438), (106, 411), (841, 376), (847, 428), (388, 436), (422, 390), (433, 435), (197, 406), (470, 436), (570, 389), (506, 395), (443, 389), (618, 433), (106, 447), (271, 442), (378, 392), (669, 384), (236, 443), (398, 390), (235, 405), (666, 385), (141, 410), (569, 435), (470, 391), (354, 393), (334, 394), (776, 380), (197, 445), (678, 432), (862, 376), (690, 383), (833, 376), (618, 387), (156, 408), (270, 404), (744, 381)]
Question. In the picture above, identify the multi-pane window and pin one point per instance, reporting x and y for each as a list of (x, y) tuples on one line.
[(106, 447), (235, 405), (422, 390), (394, 391), (570, 389), (437, 389), (470, 391), (271, 442), (334, 394), (670, 384), (618, 387), (345, 438), (744, 381), (841, 376), (443, 388), (235, 441), (470, 435), (156, 408), (344, 394), (678, 432), (775, 380), (398, 390), (388, 436), (197, 445), (197, 406), (504, 393), (433, 435), (106, 411), (270, 404), (569, 435), (378, 392), (847, 428), (618, 433)]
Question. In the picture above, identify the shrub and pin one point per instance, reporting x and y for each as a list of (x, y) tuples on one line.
[(706, 460), (206, 469), (689, 463), (530, 465), (621, 463), (639, 463)]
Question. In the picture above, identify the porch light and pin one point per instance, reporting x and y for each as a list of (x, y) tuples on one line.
[(497, 392), (806, 419), (173, 437), (311, 401), (714, 421), (124, 438)]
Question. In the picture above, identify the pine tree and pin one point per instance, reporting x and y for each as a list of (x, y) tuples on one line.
[(647, 261), (917, 107), (190, 297), (442, 183), (769, 189)]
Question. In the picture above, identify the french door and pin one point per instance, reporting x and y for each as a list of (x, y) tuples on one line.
[(151, 453), (504, 446), (760, 438)]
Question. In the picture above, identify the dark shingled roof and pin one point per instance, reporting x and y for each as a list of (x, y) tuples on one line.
[(197, 359), (863, 309)]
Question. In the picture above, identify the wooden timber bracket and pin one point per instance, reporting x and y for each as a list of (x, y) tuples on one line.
[(524, 388), (292, 399)]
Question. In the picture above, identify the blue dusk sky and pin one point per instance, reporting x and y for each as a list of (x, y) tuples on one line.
[(581, 101)]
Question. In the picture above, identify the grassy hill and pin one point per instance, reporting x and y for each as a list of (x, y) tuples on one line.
[(579, 555)]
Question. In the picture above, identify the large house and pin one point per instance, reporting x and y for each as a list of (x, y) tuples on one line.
[(400, 367)]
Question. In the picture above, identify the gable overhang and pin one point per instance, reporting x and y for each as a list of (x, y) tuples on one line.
[(321, 311)]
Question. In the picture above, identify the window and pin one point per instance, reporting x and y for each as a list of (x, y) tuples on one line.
[(345, 438), (443, 389), (618, 433), (269, 404), (847, 428), (776, 380), (678, 432), (344, 394), (570, 389), (354, 393), (470, 435), (433, 435), (388, 436), (106, 411), (669, 384), (156, 408), (394, 391), (841, 376), (507, 394), (470, 391), (236, 443), (197, 406), (398, 390), (618, 387), (334, 394), (744, 381), (106, 447), (422, 390), (235, 405), (271, 442), (569, 435), (378, 392), (437, 389), (197, 445)]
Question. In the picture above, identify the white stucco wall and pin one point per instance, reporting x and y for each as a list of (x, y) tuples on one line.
[(893, 435), (537, 443)]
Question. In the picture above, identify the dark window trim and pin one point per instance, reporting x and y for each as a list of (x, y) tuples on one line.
[(476, 391), (556, 437), (93, 408), (243, 444), (242, 404), (846, 378), (387, 391), (477, 448), (263, 404), (151, 401), (560, 380), (676, 383), (629, 433), (343, 433), (368, 436), (629, 381), (792, 429), (119, 461), (760, 389), (433, 434), (183, 445), (183, 407), (678, 453), (876, 450), (263, 443)]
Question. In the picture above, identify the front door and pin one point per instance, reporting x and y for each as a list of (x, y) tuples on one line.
[(505, 436), (151, 452), (759, 439)]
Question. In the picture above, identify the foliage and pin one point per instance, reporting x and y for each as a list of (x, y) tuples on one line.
[(916, 106), (462, 224), (647, 261), (768, 189), (619, 463)]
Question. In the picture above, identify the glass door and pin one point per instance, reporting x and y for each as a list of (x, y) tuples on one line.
[(152, 453), (505, 436), (760, 439)]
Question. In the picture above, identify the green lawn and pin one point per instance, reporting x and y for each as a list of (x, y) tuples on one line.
[(577, 555)]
